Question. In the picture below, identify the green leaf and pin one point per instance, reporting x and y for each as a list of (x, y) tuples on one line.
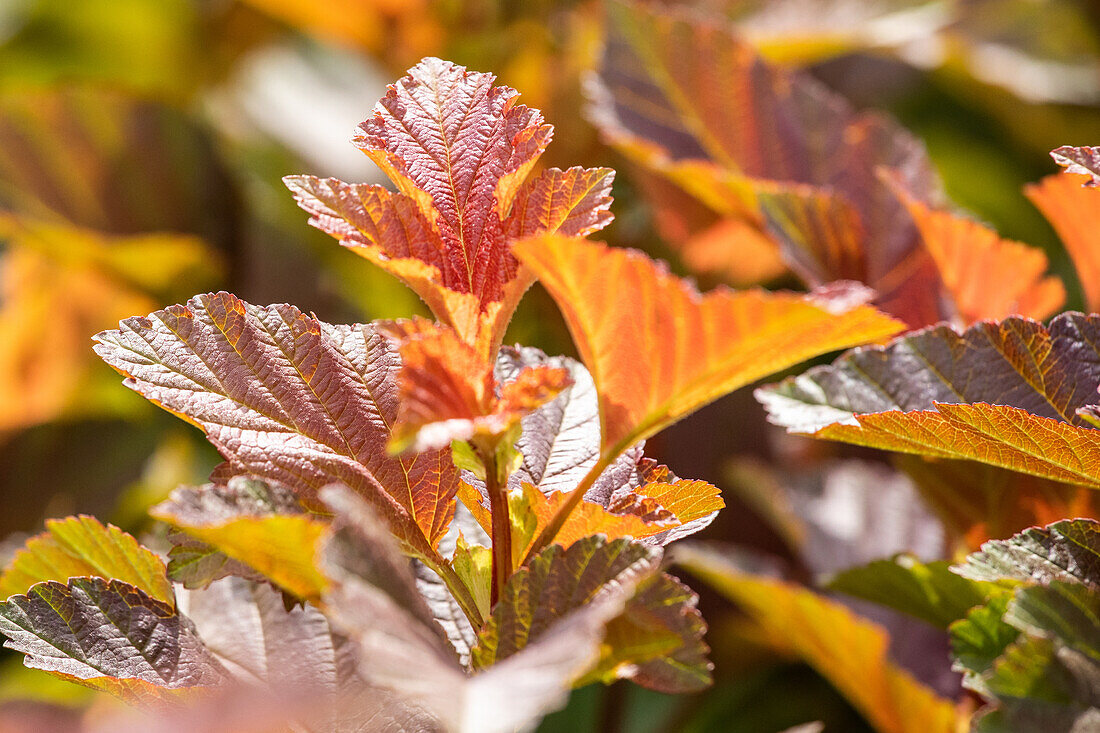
[(82, 546), (1067, 550), (91, 629), (929, 591), (979, 639), (1067, 612), (474, 565), (239, 522)]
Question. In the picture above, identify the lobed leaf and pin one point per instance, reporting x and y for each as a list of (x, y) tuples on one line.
[(621, 306), (459, 151), (91, 629), (848, 651), (289, 399), (82, 546)]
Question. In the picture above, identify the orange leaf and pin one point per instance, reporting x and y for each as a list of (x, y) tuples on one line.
[(987, 277), (447, 391), (1074, 211), (659, 350), (847, 650), (459, 151)]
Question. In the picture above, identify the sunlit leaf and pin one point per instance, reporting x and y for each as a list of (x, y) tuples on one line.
[(290, 400), (1071, 208), (847, 650), (93, 628), (82, 546), (1083, 160), (658, 350), (1009, 394), (458, 150), (1067, 550), (447, 390), (986, 276), (693, 102), (262, 529)]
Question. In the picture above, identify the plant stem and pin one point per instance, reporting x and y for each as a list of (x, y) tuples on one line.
[(571, 501), (459, 591), (497, 488)]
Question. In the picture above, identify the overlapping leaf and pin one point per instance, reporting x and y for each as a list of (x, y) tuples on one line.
[(291, 400), (848, 651), (658, 350), (1083, 161), (1071, 206), (245, 524), (1010, 394), (657, 641), (1067, 550), (91, 630), (447, 390), (986, 276), (82, 546), (693, 102), (459, 150), (375, 601), (559, 444)]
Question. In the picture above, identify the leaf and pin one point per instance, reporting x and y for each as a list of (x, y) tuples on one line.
[(620, 305), (691, 101), (929, 591), (81, 546), (980, 502), (261, 528), (401, 648), (656, 641), (1083, 160), (1068, 205), (91, 629), (447, 391), (1009, 394), (1067, 551), (986, 276), (458, 150), (979, 639), (850, 652), (288, 399), (1066, 610)]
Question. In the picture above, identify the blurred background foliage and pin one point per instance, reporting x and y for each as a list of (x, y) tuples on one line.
[(141, 148)]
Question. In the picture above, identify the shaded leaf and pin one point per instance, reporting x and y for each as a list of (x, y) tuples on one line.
[(290, 400), (1083, 160), (247, 522), (82, 546), (981, 502), (929, 591), (979, 639), (403, 650), (693, 102), (1068, 611), (458, 150), (620, 304), (847, 650), (93, 628), (1068, 550), (1070, 207)]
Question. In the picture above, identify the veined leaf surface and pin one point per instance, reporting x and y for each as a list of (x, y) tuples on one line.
[(658, 350), (289, 399), (1013, 394), (459, 151)]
